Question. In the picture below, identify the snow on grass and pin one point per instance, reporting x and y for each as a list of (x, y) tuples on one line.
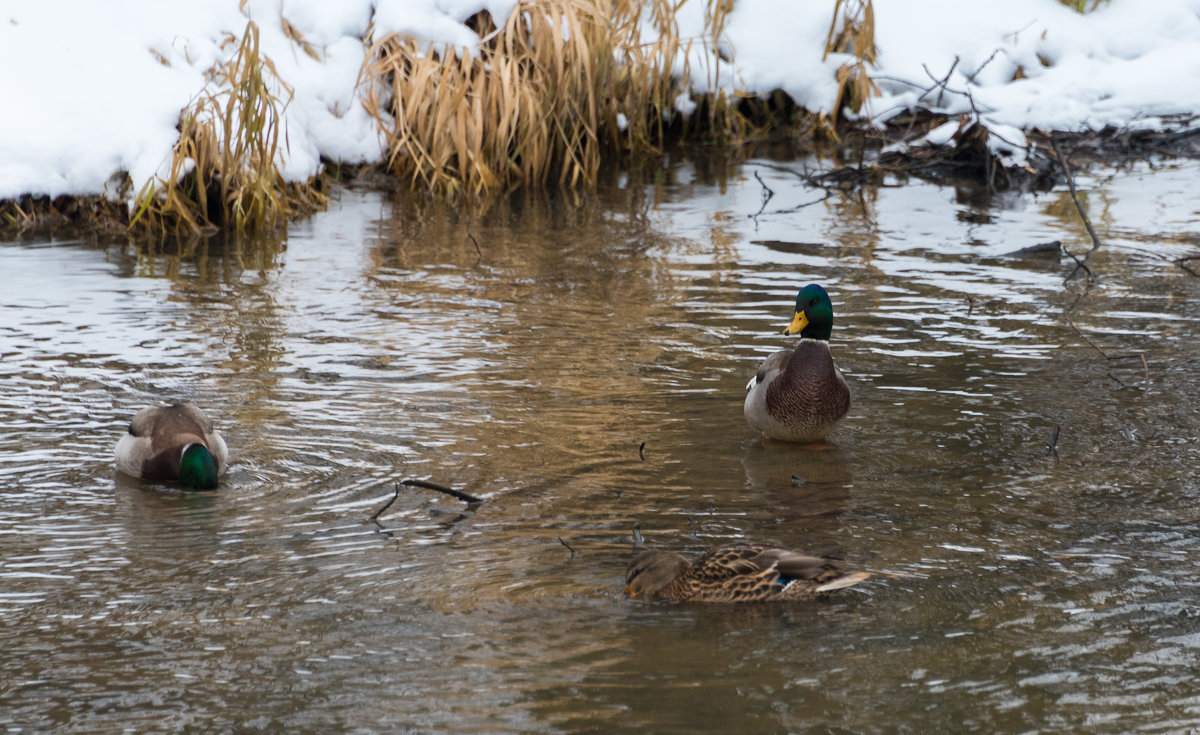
[(91, 89)]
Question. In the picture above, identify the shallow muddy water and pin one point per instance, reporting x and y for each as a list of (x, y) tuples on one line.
[(525, 356)]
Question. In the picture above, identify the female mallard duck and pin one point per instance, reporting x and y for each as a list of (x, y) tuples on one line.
[(173, 443), (739, 572), (799, 395)]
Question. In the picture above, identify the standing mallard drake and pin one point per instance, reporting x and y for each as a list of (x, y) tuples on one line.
[(166, 443), (738, 572), (799, 395)]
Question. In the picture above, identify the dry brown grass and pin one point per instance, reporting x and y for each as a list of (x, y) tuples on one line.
[(1081, 6), (225, 167), (854, 35), (538, 100)]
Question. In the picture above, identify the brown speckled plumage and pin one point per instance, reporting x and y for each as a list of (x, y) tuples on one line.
[(739, 572)]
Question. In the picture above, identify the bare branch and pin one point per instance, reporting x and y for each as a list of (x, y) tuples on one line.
[(465, 497), (1087, 222), (375, 516)]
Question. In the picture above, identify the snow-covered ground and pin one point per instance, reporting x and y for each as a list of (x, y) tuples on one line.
[(90, 89)]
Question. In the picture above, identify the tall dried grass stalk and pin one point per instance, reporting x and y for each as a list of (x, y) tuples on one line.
[(537, 100), (854, 35), (225, 168)]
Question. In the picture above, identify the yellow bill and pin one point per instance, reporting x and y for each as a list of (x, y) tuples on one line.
[(798, 324)]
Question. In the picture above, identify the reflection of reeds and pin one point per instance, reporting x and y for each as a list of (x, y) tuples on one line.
[(538, 100), (225, 167)]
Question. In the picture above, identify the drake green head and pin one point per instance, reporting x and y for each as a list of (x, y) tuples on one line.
[(814, 314), (197, 468)]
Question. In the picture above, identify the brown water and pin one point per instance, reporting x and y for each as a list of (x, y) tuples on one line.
[(1012, 591)]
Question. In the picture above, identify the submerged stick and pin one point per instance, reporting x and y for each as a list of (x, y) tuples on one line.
[(1123, 356), (1183, 263), (642, 451), (564, 543), (766, 195), (375, 516), (1078, 264), (1087, 222), (1054, 442), (465, 497)]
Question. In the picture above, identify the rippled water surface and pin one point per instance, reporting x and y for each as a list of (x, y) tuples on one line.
[(526, 355)]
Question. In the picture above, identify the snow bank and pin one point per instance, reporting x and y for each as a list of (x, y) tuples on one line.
[(91, 89)]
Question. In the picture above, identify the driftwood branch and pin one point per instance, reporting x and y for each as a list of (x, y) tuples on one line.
[(467, 498), (1053, 447), (375, 516), (564, 543)]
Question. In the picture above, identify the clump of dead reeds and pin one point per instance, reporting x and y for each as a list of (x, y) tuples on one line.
[(1081, 6), (225, 168), (852, 31), (538, 100)]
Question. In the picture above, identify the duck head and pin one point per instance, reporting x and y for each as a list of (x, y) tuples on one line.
[(814, 314), (197, 468)]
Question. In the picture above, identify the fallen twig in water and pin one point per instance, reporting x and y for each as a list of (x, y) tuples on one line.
[(1078, 264), (465, 497), (1183, 263), (1054, 442), (375, 516), (767, 193), (470, 500), (564, 543), (642, 451), (1087, 222), (1123, 356)]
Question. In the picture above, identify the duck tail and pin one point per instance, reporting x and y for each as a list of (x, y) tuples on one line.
[(848, 580)]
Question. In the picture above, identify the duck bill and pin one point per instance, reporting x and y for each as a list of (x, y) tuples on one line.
[(629, 594), (798, 324)]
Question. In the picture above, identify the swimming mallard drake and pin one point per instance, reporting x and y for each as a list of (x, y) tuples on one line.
[(738, 572), (177, 442), (799, 395)]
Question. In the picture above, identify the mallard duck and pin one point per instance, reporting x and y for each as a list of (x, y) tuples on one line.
[(799, 395), (177, 442), (739, 572)]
